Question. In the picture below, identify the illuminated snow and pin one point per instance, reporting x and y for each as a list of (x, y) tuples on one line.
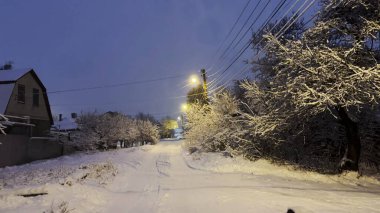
[(164, 178)]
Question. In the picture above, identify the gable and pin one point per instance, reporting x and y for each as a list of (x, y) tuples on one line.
[(5, 95), (29, 78)]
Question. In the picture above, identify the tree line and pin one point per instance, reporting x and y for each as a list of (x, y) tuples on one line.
[(104, 131)]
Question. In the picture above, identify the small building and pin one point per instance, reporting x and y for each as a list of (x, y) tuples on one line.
[(23, 95)]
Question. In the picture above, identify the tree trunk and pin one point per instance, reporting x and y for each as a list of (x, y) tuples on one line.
[(350, 160)]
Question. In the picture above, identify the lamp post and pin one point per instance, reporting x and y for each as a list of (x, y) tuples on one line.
[(203, 74)]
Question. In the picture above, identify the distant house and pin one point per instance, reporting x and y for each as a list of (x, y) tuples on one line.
[(23, 95)]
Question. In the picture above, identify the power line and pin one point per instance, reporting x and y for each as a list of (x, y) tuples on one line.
[(230, 31), (278, 7), (225, 54), (242, 50), (245, 23), (283, 29), (116, 85), (277, 35), (275, 11), (246, 46), (131, 100)]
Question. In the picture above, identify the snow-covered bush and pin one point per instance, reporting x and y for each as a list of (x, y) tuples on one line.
[(216, 126)]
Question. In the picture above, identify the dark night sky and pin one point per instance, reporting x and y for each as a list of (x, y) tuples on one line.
[(85, 43)]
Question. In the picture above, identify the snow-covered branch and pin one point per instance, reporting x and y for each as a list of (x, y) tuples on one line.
[(2, 126), (217, 127)]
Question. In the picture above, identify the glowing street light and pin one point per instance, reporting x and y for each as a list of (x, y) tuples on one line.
[(194, 80), (184, 107), (179, 118)]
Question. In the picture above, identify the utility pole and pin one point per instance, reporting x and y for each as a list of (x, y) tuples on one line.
[(203, 74)]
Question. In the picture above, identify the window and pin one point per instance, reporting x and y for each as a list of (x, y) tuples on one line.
[(21, 93), (36, 97)]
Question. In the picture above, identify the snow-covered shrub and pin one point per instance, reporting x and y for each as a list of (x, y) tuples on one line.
[(216, 126)]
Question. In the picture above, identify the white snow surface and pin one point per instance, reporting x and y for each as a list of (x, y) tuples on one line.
[(164, 178), (66, 124)]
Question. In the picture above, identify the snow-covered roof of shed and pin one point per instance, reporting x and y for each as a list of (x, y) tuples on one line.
[(5, 94), (66, 124), (13, 75)]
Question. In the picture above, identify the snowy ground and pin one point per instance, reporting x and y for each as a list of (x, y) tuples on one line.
[(163, 178)]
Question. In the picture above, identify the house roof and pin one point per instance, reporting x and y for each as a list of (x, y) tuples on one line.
[(9, 77), (13, 75), (5, 91)]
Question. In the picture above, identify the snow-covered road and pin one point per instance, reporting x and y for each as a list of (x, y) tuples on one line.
[(159, 179), (163, 182)]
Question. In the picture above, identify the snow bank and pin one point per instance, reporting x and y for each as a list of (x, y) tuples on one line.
[(77, 181), (216, 162)]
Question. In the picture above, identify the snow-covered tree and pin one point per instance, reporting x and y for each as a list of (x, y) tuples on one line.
[(216, 127), (148, 132), (87, 138), (132, 132), (334, 67)]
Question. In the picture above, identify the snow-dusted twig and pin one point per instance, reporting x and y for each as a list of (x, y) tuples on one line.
[(3, 119)]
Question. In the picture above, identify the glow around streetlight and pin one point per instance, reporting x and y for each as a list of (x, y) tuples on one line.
[(184, 107), (194, 80), (179, 118)]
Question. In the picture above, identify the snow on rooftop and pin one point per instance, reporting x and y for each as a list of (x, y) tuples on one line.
[(5, 94), (13, 75), (66, 124)]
